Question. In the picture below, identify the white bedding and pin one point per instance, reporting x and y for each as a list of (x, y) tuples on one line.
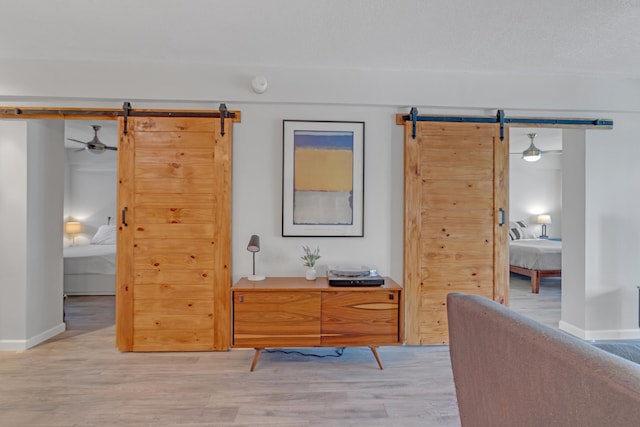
[(536, 254), (90, 259)]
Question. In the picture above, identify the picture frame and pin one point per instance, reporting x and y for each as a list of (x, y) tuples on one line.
[(322, 178)]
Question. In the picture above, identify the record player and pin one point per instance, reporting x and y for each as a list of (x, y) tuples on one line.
[(363, 275)]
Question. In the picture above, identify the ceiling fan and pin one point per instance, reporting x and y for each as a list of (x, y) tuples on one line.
[(533, 153), (94, 146)]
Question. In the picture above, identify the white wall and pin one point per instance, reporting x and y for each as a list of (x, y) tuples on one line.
[(612, 230), (32, 187), (13, 226), (257, 178), (375, 96), (573, 312), (45, 186)]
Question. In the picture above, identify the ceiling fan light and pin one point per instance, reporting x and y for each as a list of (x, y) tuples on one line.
[(531, 154), (96, 147)]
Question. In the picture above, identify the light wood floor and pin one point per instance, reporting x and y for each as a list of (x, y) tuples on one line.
[(80, 379)]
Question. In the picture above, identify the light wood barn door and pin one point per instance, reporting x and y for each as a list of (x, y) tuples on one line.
[(455, 187), (174, 272)]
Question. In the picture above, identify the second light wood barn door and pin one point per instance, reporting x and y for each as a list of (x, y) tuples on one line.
[(455, 188), (175, 188)]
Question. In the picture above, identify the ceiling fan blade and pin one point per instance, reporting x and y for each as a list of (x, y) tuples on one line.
[(111, 148), (76, 140), (79, 149)]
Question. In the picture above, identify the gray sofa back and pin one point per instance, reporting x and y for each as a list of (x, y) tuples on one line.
[(510, 370)]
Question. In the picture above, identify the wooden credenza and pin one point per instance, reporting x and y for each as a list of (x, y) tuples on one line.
[(295, 312)]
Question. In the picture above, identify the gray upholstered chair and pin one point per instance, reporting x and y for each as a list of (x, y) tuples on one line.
[(512, 371)]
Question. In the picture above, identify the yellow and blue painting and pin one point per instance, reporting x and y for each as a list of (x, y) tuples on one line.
[(323, 177)]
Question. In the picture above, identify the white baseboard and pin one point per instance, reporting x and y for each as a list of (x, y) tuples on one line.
[(12, 345), (573, 330), (21, 345), (618, 334)]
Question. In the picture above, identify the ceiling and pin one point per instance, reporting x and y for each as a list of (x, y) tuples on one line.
[(523, 36), (494, 36)]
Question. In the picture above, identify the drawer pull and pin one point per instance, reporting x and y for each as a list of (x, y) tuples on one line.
[(391, 297), (240, 298)]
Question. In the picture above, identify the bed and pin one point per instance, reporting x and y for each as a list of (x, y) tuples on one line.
[(534, 258), (91, 269)]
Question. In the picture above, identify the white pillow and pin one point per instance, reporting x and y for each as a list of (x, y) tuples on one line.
[(106, 235), (518, 232), (527, 233), (515, 233), (518, 224)]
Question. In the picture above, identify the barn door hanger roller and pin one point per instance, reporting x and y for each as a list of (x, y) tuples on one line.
[(502, 120)]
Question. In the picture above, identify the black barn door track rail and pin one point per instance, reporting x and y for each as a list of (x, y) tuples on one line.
[(126, 112), (500, 118)]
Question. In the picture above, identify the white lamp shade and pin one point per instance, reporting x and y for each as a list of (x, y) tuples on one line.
[(72, 227), (544, 219)]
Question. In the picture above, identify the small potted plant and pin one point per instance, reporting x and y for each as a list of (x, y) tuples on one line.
[(310, 259)]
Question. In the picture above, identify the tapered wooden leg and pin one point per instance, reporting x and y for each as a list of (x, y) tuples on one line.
[(256, 357), (374, 350)]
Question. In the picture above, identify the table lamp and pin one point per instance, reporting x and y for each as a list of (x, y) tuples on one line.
[(72, 228), (544, 220), (253, 247)]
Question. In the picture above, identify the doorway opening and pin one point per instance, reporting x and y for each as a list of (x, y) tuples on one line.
[(535, 206), (90, 202)]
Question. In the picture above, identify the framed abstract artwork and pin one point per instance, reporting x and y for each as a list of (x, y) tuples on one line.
[(323, 179)]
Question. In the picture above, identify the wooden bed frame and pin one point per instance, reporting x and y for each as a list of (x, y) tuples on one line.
[(535, 275)]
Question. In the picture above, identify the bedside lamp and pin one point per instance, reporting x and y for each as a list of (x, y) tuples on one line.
[(544, 220), (72, 228), (253, 247)]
